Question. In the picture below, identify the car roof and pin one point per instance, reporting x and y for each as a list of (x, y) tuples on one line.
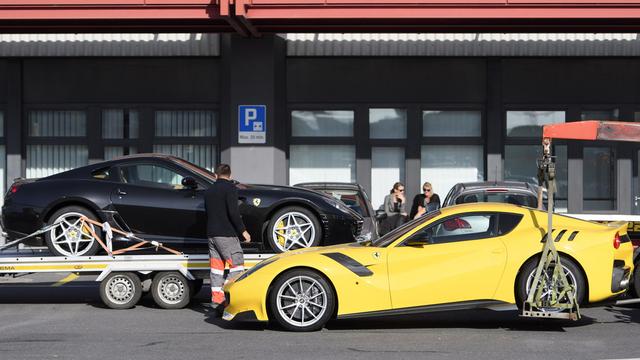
[(510, 185), (485, 206), (331, 185)]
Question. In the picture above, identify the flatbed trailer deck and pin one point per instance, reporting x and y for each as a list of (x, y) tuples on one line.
[(174, 278)]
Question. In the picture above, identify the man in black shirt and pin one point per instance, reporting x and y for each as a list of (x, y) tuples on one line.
[(223, 226)]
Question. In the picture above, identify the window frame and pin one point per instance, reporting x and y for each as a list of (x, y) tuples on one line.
[(465, 237), (180, 171), (533, 141)]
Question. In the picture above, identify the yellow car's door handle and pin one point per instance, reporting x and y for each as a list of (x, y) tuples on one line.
[(497, 251)]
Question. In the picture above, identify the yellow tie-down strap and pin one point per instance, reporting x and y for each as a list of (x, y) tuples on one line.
[(51, 267), (202, 265)]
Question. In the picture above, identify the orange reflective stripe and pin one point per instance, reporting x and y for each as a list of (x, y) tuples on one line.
[(216, 264), (217, 297)]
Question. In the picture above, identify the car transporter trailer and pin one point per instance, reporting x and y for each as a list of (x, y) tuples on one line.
[(174, 277)]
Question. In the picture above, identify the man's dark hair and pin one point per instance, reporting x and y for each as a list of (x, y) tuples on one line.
[(223, 169)]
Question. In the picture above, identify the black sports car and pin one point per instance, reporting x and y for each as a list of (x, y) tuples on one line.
[(160, 197)]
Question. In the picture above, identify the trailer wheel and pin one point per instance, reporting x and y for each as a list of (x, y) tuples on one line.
[(121, 290), (171, 290)]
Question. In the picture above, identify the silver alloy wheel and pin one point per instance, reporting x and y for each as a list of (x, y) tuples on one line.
[(171, 290), (547, 290), (68, 238), (293, 230), (120, 289), (301, 301)]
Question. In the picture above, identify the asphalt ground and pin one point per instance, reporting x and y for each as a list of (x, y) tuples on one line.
[(43, 318)]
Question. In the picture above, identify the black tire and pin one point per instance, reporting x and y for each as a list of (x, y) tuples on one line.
[(279, 245), (278, 311), (171, 290), (121, 290), (72, 212), (635, 284), (530, 267)]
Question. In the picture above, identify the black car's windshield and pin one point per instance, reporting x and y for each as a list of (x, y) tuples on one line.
[(197, 169), (399, 231)]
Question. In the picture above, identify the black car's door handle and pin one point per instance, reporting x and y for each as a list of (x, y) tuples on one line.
[(120, 192)]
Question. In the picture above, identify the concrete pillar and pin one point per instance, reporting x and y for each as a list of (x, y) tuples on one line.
[(253, 71), (494, 114), (14, 123)]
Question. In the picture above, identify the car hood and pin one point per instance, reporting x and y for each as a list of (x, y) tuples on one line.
[(299, 190), (358, 251)]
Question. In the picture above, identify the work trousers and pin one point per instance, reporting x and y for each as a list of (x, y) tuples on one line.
[(223, 250)]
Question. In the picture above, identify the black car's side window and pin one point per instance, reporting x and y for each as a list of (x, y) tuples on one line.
[(151, 175)]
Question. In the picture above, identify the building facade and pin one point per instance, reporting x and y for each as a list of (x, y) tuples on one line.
[(366, 108)]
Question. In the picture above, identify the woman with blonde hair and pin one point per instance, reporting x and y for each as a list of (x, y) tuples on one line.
[(425, 202)]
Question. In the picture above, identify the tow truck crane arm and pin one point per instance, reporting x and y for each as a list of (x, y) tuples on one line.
[(550, 277)]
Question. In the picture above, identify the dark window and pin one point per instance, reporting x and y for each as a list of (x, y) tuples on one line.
[(507, 198), (508, 222), (473, 226), (151, 176)]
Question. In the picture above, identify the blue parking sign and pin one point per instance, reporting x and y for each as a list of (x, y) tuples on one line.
[(252, 124)]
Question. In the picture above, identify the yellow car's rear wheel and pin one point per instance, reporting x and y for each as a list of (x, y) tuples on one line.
[(301, 300), (527, 274)]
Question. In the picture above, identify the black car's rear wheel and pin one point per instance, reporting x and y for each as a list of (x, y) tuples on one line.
[(301, 300), (293, 228), (70, 238)]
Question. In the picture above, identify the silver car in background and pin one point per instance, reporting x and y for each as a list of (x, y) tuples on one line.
[(510, 192), (355, 197)]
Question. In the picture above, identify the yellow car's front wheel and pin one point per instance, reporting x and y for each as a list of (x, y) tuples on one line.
[(301, 300)]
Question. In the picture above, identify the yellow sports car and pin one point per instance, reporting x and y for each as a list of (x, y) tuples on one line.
[(463, 256)]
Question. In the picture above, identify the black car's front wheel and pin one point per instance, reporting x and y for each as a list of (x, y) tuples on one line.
[(301, 300), (69, 237), (293, 228)]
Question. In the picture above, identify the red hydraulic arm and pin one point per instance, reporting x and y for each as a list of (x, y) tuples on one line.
[(593, 130)]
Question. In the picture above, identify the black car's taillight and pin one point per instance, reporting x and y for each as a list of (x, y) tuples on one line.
[(12, 190)]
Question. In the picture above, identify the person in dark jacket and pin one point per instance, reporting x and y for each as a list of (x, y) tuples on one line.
[(224, 224), (426, 202)]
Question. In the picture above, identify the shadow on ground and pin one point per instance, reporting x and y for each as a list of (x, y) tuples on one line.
[(469, 319), (88, 292)]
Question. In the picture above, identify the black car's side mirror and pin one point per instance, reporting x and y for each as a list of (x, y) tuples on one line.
[(381, 214), (189, 182)]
